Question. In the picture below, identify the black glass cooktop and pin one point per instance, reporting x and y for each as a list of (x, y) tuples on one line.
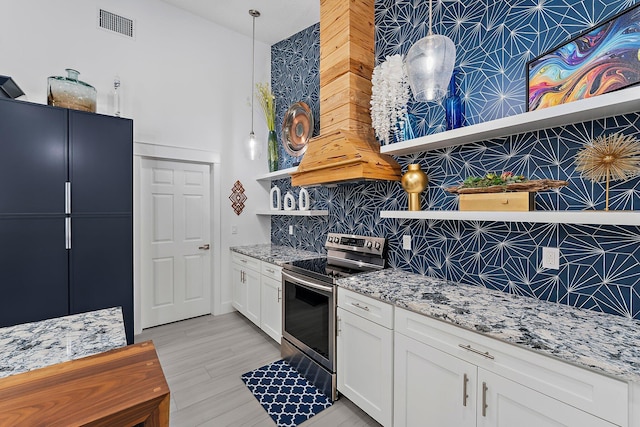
[(321, 269)]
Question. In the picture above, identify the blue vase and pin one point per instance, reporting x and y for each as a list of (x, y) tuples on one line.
[(453, 105), (403, 130)]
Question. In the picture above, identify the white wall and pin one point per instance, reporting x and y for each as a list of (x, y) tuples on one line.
[(185, 82)]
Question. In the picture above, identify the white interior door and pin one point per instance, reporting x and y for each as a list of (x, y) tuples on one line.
[(175, 240)]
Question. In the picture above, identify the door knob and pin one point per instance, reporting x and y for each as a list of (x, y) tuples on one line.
[(204, 247)]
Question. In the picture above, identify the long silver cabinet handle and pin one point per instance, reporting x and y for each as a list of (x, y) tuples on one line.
[(279, 294), (476, 351), (67, 233), (270, 270), (362, 307), (484, 399), (67, 197), (465, 396)]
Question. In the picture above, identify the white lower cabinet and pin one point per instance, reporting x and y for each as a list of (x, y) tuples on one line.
[(239, 288), (253, 283), (505, 403), (446, 376), (365, 354), (246, 286), (257, 292), (431, 387), (271, 301)]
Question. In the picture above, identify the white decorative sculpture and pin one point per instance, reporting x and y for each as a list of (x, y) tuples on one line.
[(275, 201), (303, 200), (289, 202)]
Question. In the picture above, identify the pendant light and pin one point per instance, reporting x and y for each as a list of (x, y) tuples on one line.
[(430, 63), (254, 149)]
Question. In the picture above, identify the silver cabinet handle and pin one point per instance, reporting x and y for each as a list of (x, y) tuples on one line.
[(67, 197), (204, 247), (362, 307), (465, 396), (270, 270), (67, 233), (339, 321), (484, 399), (473, 350), (244, 260), (279, 294)]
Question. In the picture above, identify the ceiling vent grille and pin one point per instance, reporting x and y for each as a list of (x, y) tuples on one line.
[(116, 23)]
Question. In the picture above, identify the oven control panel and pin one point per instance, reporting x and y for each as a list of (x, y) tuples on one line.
[(350, 242)]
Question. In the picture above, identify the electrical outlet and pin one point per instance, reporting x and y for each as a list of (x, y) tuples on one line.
[(551, 258), (406, 242), (291, 230), (234, 229)]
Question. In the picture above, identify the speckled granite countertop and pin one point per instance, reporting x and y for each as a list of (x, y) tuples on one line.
[(602, 342), (38, 344), (275, 254)]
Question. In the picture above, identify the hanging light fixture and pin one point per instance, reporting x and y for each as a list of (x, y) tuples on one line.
[(254, 149), (430, 63)]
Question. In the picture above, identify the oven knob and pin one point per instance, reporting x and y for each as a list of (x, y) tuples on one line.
[(368, 244), (377, 246), (331, 239)]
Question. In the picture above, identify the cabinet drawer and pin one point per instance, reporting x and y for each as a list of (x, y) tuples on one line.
[(271, 270), (589, 391), (377, 311), (246, 261)]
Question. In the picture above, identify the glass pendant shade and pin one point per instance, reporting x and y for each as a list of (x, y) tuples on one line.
[(254, 149), (430, 63)]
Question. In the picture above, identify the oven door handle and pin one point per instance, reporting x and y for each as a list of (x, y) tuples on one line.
[(307, 283)]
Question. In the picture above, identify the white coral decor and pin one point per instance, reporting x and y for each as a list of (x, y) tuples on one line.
[(389, 96)]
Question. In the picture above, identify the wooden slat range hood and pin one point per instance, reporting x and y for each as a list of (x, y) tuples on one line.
[(346, 149)]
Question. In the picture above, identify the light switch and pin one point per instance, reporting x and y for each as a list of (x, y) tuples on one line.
[(406, 242), (234, 229), (291, 230)]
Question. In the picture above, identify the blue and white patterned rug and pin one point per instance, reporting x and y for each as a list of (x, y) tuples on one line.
[(285, 394)]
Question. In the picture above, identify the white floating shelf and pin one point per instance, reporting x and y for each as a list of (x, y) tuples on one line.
[(557, 217), (606, 105), (294, 213), (272, 176)]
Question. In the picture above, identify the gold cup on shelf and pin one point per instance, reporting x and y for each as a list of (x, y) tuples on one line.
[(414, 182)]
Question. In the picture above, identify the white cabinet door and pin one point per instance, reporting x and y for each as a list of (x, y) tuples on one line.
[(432, 388), (365, 365), (505, 403), (239, 288), (252, 281), (271, 309)]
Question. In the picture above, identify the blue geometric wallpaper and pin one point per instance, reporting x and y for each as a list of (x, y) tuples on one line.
[(295, 77), (600, 267)]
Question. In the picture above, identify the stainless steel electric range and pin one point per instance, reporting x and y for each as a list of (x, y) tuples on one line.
[(309, 304)]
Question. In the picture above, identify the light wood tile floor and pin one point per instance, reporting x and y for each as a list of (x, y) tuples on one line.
[(203, 359)]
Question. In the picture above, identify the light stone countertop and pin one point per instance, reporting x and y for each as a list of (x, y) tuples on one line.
[(275, 254), (35, 345), (602, 342)]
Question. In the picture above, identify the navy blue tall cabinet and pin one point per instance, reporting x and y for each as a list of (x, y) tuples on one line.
[(66, 205)]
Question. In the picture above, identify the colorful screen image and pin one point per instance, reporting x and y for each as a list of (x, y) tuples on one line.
[(603, 59)]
